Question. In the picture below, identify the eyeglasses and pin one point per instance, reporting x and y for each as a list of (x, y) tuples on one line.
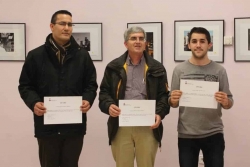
[(64, 24), (133, 39)]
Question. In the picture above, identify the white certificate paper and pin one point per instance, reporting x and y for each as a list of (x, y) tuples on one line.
[(198, 94), (63, 110), (137, 112)]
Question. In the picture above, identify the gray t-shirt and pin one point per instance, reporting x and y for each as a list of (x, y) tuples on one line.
[(200, 122)]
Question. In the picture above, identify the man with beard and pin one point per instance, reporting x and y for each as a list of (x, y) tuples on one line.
[(60, 67), (200, 128)]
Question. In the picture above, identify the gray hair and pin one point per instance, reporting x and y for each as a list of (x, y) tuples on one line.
[(133, 30)]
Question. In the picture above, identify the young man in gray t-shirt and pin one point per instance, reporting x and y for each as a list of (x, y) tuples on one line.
[(200, 128)]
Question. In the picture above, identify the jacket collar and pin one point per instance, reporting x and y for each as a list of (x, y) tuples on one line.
[(118, 63), (74, 44)]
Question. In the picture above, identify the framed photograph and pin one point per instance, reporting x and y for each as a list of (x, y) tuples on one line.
[(89, 36), (242, 39), (181, 32), (12, 41), (153, 38)]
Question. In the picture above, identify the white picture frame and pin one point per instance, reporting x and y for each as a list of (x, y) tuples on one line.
[(12, 41), (242, 39), (93, 33), (154, 37), (216, 30)]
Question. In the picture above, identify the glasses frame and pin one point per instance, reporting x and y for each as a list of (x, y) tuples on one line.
[(136, 39), (64, 24)]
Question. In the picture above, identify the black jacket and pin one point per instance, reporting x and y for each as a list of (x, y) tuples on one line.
[(156, 85), (42, 75)]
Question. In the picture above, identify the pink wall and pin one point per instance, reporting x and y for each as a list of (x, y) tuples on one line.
[(18, 147)]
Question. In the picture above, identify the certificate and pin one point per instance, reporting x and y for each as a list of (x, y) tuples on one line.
[(63, 110), (198, 94), (137, 112)]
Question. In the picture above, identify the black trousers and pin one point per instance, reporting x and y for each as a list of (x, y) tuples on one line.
[(60, 151), (212, 148)]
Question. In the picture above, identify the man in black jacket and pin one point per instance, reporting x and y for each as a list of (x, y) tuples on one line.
[(60, 67), (134, 76)]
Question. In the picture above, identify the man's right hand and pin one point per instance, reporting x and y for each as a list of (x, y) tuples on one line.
[(39, 109), (114, 111), (175, 97)]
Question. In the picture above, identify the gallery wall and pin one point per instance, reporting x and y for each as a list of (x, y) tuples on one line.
[(18, 147)]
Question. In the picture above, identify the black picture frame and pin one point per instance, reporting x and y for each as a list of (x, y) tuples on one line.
[(242, 39), (181, 30), (154, 35), (89, 36), (12, 41)]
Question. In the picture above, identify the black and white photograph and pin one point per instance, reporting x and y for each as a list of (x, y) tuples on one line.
[(150, 43), (7, 42), (12, 42), (242, 39), (182, 33), (89, 37), (154, 36), (83, 39)]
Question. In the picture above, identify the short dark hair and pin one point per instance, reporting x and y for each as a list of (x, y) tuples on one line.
[(199, 30), (54, 16)]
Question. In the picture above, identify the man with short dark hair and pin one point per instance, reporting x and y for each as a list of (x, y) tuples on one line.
[(200, 128), (60, 67)]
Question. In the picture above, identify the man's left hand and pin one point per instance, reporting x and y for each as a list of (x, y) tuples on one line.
[(157, 122), (222, 98), (85, 106)]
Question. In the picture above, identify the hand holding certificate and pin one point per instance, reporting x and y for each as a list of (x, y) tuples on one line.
[(198, 94), (63, 110), (137, 112)]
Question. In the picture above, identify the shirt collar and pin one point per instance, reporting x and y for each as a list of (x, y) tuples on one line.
[(129, 62)]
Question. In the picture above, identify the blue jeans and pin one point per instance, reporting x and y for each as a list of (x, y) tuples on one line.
[(212, 148)]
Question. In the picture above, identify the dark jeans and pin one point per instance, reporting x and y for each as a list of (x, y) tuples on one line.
[(212, 148), (60, 151)]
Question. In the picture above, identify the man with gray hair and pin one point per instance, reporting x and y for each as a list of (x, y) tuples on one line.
[(134, 76)]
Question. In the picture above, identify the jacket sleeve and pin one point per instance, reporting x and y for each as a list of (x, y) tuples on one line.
[(162, 106), (105, 97), (27, 83), (89, 82)]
